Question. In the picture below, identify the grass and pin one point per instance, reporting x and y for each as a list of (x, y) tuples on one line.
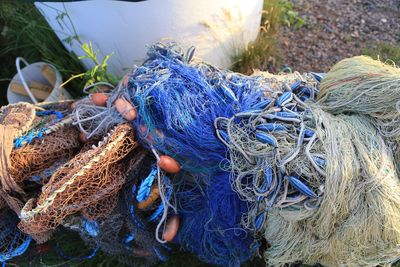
[(384, 52), (24, 32), (264, 53)]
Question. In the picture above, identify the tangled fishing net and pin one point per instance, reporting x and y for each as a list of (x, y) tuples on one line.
[(85, 180), (297, 167)]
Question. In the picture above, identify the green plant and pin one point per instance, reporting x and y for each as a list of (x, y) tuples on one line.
[(264, 52), (384, 52), (98, 73), (290, 17)]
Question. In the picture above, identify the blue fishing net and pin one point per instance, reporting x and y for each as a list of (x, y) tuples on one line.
[(211, 216), (178, 103), (12, 241)]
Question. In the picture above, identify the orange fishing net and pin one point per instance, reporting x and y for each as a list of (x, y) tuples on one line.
[(44, 153), (86, 180), (14, 119)]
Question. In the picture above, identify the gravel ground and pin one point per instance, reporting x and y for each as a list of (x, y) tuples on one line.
[(336, 29)]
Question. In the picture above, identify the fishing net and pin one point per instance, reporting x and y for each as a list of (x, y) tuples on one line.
[(127, 232), (12, 242), (83, 181), (40, 158), (357, 222), (275, 158), (322, 188), (180, 127), (95, 121), (14, 120), (25, 126), (370, 88), (101, 209), (365, 86), (305, 163), (211, 221)]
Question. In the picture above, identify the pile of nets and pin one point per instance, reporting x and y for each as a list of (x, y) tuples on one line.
[(319, 186), (293, 167)]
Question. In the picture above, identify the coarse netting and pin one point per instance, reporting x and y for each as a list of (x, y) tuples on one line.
[(101, 209), (12, 241), (19, 116), (85, 180), (44, 153), (14, 120), (126, 232)]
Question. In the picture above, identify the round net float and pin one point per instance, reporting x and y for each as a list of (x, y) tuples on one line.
[(99, 99), (171, 228), (168, 164), (125, 108)]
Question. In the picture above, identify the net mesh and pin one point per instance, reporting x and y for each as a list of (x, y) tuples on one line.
[(126, 232), (44, 153), (83, 181), (102, 208), (12, 241)]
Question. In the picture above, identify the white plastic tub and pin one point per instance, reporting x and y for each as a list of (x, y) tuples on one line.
[(217, 28), (33, 72)]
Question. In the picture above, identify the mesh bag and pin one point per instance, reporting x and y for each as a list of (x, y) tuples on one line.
[(85, 180)]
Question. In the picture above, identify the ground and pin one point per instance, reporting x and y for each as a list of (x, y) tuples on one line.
[(338, 29)]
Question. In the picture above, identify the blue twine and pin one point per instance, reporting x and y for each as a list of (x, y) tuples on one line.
[(91, 227), (210, 223), (136, 221), (29, 137), (159, 254), (58, 114), (145, 186), (128, 238), (46, 173), (178, 103), (160, 209), (37, 133)]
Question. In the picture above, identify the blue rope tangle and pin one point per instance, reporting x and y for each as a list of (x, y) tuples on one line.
[(58, 114), (29, 137), (37, 133), (178, 103), (145, 186)]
